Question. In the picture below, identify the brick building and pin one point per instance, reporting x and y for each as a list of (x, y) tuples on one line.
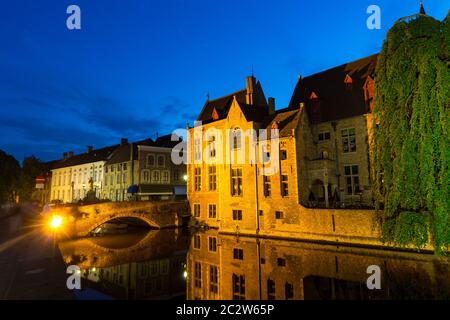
[(321, 154)]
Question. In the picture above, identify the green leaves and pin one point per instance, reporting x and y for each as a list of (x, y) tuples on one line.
[(411, 152)]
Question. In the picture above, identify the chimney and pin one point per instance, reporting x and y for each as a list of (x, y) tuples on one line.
[(64, 155), (123, 141), (271, 103), (69, 154), (89, 149), (250, 86)]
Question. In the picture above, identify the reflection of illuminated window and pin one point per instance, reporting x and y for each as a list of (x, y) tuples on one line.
[(212, 244), (197, 210), (213, 279), (196, 241), (238, 254), (270, 289), (198, 275), (212, 211), (164, 267), (238, 287), (288, 291)]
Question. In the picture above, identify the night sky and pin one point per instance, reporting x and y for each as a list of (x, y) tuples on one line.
[(141, 67)]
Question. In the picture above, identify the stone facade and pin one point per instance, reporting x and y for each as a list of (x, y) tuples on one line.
[(322, 153)]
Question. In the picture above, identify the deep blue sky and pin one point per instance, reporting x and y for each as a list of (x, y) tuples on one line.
[(139, 67)]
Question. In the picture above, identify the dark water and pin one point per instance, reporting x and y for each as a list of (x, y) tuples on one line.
[(172, 264)]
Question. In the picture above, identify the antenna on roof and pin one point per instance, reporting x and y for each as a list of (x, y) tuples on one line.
[(253, 72), (207, 96)]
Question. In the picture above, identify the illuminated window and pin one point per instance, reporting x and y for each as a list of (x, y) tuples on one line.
[(236, 182)]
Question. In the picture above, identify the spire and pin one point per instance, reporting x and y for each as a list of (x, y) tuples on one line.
[(422, 9)]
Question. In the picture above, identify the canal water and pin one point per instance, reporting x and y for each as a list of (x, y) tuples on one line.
[(178, 264)]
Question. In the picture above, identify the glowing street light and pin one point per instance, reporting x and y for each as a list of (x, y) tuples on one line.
[(56, 222), (185, 177)]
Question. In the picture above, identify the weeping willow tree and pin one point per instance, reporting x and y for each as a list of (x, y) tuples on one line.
[(411, 133)]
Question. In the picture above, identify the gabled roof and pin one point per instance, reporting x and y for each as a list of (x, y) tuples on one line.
[(286, 120), (166, 141), (221, 105), (336, 99), (123, 152), (88, 157)]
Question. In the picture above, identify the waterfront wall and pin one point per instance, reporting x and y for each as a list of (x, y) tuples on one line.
[(339, 226)]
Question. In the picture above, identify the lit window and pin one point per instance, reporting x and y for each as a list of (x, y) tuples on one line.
[(236, 182)]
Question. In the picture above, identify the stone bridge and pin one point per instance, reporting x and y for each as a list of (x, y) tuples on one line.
[(159, 215)]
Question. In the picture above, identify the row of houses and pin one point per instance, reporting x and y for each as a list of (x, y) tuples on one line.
[(139, 170), (323, 153)]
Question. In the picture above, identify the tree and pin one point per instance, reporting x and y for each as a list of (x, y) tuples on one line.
[(31, 168), (9, 177), (411, 153)]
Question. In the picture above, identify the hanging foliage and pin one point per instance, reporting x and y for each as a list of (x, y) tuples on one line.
[(411, 140)]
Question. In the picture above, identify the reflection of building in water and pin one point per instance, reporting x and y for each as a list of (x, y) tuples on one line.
[(152, 279), (150, 267), (226, 267)]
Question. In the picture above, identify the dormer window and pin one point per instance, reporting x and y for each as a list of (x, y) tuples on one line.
[(348, 81), (215, 114), (313, 96)]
